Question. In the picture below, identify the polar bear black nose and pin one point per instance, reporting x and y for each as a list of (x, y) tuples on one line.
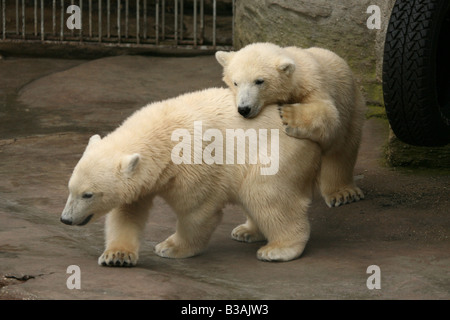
[(66, 221), (244, 111)]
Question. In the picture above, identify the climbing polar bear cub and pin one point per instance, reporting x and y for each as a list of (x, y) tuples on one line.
[(123, 172), (318, 99)]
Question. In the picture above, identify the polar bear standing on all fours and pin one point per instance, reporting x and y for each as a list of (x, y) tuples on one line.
[(318, 100), (121, 173)]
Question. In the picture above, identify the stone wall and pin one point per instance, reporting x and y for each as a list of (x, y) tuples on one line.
[(340, 26)]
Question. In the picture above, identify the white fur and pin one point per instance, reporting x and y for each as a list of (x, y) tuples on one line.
[(318, 100), (125, 170)]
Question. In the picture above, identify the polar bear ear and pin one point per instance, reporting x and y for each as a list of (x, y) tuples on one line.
[(95, 138), (92, 141), (287, 66), (130, 163), (224, 57)]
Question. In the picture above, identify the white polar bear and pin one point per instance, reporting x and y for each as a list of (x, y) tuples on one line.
[(124, 171), (319, 99)]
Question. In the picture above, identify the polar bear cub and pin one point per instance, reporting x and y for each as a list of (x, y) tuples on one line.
[(157, 152), (318, 99)]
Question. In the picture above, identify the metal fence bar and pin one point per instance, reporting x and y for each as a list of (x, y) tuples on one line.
[(54, 17), (81, 20), (72, 30), (181, 18), (126, 17), (62, 21), (100, 31), (195, 23), (137, 23), (163, 19), (157, 22), (118, 21), (145, 19), (202, 20), (175, 27), (233, 5), (17, 17), (108, 19), (214, 23), (35, 17), (42, 21), (3, 19), (90, 18), (23, 19)]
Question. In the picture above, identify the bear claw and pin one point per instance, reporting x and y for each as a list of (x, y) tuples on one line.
[(344, 196), (113, 258)]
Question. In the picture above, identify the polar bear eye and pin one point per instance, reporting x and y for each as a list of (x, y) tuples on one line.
[(235, 84), (87, 195), (259, 82)]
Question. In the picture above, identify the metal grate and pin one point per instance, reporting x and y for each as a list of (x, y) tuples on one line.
[(172, 23)]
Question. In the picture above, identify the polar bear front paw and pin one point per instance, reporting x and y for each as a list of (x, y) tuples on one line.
[(118, 258), (291, 121), (344, 196), (244, 234)]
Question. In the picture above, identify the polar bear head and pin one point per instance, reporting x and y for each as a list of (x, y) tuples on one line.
[(258, 74), (102, 180)]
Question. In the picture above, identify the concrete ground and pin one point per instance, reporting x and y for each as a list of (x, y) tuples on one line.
[(48, 110)]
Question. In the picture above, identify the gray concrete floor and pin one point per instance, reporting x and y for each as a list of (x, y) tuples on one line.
[(48, 110)]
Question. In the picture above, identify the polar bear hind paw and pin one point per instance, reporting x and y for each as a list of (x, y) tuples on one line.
[(271, 252), (344, 196), (171, 249), (244, 234)]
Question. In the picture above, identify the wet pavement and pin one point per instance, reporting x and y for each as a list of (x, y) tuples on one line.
[(48, 110)]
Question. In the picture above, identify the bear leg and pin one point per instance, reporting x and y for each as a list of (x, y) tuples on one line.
[(281, 216), (123, 230), (317, 121), (336, 177), (192, 234), (286, 238)]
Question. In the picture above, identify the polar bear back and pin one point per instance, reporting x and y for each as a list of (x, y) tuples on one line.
[(149, 132)]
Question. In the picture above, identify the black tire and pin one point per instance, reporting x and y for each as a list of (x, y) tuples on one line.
[(416, 71)]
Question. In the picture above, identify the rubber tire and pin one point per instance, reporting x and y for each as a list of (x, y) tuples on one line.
[(416, 72)]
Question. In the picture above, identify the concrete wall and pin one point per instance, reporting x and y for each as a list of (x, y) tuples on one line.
[(340, 26)]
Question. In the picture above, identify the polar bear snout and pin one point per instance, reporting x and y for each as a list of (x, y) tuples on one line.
[(73, 216), (76, 212), (69, 221)]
